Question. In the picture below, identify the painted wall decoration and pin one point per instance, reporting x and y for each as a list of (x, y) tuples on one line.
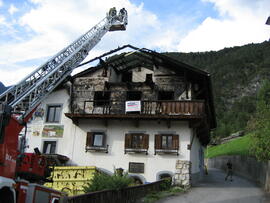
[(36, 130), (53, 131)]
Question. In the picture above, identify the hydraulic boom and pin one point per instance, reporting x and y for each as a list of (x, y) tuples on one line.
[(28, 93)]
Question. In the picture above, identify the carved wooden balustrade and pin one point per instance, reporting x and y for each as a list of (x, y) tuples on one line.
[(170, 108)]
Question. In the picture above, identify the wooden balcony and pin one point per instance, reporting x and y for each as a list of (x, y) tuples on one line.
[(112, 109)]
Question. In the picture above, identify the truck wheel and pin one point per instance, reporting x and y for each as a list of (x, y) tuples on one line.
[(6, 195)]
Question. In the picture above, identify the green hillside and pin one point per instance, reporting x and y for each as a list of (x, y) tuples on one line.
[(240, 146), (237, 74)]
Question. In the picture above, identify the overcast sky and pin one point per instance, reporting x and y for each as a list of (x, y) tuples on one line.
[(33, 30)]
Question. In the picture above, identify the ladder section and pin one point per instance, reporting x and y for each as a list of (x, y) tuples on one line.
[(27, 94)]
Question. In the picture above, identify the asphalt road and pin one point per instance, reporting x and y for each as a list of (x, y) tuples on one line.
[(214, 189)]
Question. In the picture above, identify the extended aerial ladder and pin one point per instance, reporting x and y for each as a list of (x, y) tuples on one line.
[(25, 95), (19, 102)]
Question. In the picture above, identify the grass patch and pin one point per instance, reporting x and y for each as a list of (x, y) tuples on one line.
[(238, 146), (153, 197)]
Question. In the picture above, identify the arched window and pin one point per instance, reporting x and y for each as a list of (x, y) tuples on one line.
[(165, 176), (137, 180)]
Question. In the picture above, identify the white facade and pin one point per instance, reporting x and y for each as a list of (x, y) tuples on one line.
[(72, 143)]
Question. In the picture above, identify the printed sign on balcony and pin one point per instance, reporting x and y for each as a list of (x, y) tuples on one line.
[(133, 106)]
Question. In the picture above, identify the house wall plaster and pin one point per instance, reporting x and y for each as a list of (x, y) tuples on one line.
[(72, 144)]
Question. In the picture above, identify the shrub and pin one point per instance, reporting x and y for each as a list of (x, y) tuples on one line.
[(103, 181), (166, 184)]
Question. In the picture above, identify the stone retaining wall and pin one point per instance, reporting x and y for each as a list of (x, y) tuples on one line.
[(182, 174)]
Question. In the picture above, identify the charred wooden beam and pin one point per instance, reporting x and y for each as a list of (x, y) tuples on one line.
[(168, 123), (137, 123), (106, 122)]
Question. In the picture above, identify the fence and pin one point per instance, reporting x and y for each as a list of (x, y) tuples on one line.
[(126, 195)]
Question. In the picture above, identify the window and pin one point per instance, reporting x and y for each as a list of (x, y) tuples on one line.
[(165, 176), (96, 141), (136, 142), (149, 78), (134, 95), (166, 143), (165, 95), (102, 98), (53, 113), (49, 147), (136, 180), (127, 77)]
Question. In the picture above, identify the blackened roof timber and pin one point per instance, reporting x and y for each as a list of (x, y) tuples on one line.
[(129, 60)]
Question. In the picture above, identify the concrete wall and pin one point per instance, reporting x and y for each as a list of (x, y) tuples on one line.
[(244, 166)]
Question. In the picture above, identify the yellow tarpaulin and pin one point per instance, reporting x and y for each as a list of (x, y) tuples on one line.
[(71, 179)]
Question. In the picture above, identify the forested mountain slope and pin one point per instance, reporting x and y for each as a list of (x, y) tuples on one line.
[(2, 87), (237, 74)]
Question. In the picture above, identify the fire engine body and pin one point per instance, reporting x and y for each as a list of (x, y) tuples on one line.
[(20, 172)]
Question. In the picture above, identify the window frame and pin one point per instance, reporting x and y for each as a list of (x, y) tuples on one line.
[(95, 135), (43, 145), (127, 76), (48, 107), (175, 144), (141, 147), (105, 101), (137, 141), (167, 141), (90, 140)]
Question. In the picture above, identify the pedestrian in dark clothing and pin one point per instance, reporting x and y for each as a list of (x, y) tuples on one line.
[(229, 171)]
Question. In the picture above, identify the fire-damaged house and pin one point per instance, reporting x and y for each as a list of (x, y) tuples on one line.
[(138, 110)]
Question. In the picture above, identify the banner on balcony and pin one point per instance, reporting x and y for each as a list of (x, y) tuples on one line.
[(132, 106)]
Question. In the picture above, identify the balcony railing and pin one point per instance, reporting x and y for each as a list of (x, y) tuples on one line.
[(167, 151), (136, 150), (171, 108), (97, 149)]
